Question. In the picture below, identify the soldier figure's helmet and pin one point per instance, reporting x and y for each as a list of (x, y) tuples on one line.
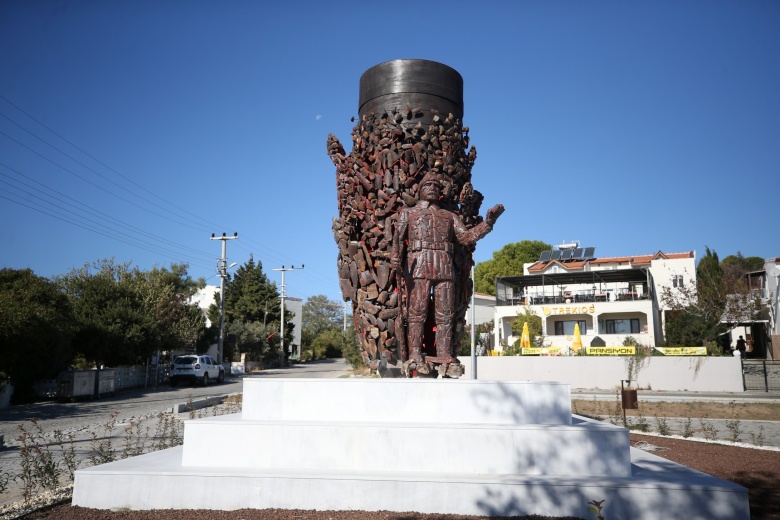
[(433, 177)]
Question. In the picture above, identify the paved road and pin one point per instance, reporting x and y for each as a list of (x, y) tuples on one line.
[(83, 418), (142, 402)]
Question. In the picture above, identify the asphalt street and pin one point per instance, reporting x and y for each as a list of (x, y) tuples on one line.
[(143, 402)]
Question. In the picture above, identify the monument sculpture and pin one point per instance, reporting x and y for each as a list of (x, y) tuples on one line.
[(408, 218)]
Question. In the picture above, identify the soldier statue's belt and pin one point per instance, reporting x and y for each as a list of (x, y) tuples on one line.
[(419, 245)]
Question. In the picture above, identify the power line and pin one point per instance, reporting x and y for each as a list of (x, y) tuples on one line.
[(94, 159), (88, 209), (81, 225)]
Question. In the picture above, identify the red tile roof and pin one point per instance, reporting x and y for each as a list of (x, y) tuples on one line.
[(634, 260)]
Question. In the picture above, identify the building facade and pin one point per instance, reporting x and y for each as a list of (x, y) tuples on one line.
[(608, 299)]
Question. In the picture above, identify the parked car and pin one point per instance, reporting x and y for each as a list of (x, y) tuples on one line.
[(196, 369)]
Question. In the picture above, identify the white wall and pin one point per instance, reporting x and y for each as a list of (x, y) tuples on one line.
[(695, 374), (662, 271), (484, 310)]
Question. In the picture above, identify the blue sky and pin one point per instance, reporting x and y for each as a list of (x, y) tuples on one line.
[(629, 126)]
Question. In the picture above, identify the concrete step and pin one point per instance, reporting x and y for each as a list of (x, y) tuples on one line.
[(584, 448), (657, 488)]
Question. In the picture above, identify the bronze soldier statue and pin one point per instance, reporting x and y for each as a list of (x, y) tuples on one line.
[(423, 247)]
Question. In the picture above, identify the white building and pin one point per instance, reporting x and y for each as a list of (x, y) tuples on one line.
[(762, 331), (609, 298), (295, 306), (203, 298)]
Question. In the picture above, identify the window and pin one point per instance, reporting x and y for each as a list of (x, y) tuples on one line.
[(627, 326), (566, 328), (677, 280)]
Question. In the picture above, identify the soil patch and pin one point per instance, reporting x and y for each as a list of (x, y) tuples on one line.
[(704, 410)]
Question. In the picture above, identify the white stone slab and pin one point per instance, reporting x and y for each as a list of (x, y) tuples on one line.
[(501, 429), (658, 488), (585, 448), (407, 400)]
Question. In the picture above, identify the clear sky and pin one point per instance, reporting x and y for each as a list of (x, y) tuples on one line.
[(135, 129)]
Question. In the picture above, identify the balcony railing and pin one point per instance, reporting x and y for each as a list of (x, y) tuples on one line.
[(578, 297)]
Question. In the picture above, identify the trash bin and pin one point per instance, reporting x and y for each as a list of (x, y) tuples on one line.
[(629, 397)]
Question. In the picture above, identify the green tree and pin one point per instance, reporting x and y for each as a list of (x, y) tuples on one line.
[(698, 314), (36, 326), (508, 261), (535, 330), (255, 339), (742, 264), (351, 349), (320, 314), (485, 328), (250, 296), (253, 301), (124, 315)]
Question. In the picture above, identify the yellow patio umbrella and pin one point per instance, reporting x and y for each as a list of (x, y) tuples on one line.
[(525, 339), (576, 345)]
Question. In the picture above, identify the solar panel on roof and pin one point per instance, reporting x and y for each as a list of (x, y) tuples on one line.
[(590, 252), (577, 255), (566, 254), (556, 255), (545, 256)]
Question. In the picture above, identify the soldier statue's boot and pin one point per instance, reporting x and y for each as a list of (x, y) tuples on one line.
[(414, 342), (444, 343)]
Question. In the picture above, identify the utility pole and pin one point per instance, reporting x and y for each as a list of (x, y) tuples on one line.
[(283, 269), (473, 328), (222, 268), (345, 316)]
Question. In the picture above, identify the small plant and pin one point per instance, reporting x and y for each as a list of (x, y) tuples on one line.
[(103, 450), (67, 451), (167, 433), (39, 469), (662, 426), (734, 426), (616, 417), (758, 439), (595, 507), (708, 429), (134, 439), (5, 478), (687, 428), (190, 406)]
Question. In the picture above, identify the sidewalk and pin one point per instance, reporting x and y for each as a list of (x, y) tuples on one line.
[(749, 432), (680, 397)]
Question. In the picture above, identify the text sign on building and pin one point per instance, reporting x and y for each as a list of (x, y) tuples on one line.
[(683, 351), (541, 351), (610, 351), (568, 309)]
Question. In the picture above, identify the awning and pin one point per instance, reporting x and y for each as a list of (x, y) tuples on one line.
[(587, 277)]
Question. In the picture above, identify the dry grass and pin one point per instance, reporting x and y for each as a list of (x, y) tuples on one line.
[(744, 411)]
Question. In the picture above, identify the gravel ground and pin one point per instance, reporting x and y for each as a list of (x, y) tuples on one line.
[(756, 469)]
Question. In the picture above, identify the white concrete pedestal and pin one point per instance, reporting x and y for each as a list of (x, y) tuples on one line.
[(432, 446)]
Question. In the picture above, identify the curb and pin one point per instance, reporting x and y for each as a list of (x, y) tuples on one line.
[(197, 404)]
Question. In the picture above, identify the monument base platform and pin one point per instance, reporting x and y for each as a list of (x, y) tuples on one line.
[(657, 488), (449, 446)]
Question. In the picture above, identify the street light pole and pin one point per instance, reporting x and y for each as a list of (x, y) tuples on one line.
[(222, 271), (283, 269)]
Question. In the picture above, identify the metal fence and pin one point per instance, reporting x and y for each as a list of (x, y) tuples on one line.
[(124, 377), (761, 375)]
